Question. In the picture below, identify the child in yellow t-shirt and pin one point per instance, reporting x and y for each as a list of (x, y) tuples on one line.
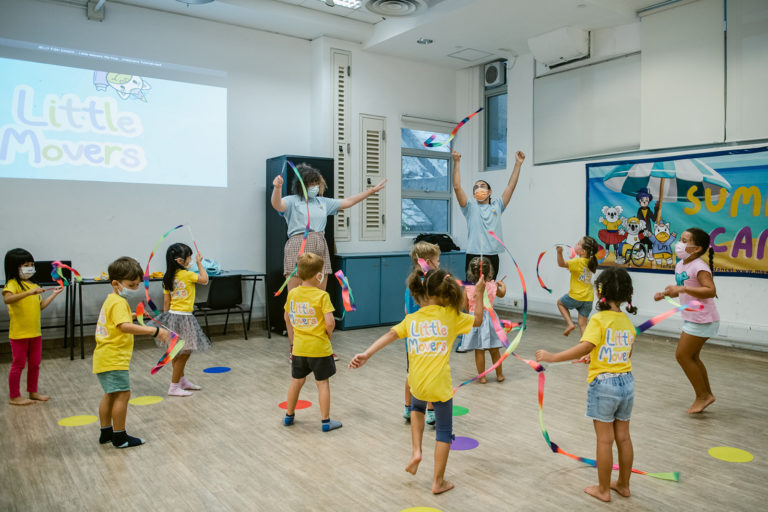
[(24, 306), (608, 340), (580, 296), (310, 323), (178, 304), (114, 348), (430, 333)]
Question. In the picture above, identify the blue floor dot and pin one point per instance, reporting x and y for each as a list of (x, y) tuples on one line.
[(217, 369)]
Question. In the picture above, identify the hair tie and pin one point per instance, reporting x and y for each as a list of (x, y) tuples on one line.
[(602, 300)]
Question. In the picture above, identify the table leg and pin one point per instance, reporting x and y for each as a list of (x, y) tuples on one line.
[(250, 306), (80, 299), (66, 314), (266, 307), (70, 318)]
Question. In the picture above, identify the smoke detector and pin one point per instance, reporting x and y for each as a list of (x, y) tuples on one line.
[(396, 7)]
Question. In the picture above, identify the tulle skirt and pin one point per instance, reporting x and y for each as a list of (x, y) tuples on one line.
[(188, 329), (481, 338)]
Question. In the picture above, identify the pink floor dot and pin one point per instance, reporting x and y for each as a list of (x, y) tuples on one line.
[(301, 404)]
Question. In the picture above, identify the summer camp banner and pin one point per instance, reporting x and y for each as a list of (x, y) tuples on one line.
[(638, 209)]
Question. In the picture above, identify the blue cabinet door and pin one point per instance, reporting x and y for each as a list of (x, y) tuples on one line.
[(453, 262), (364, 275), (394, 271)]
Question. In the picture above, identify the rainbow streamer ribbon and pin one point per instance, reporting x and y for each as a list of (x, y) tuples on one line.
[(430, 142), (306, 229), (538, 262), (58, 276), (346, 292), (146, 270), (174, 347), (694, 305)]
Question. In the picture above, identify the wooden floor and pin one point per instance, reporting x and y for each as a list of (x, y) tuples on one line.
[(225, 447)]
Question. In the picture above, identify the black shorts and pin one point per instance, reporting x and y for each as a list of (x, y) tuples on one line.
[(323, 367)]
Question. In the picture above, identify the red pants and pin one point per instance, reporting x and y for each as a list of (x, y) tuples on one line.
[(27, 348)]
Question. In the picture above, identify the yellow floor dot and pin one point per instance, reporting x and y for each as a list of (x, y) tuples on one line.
[(421, 509), (145, 400), (77, 421), (730, 454)]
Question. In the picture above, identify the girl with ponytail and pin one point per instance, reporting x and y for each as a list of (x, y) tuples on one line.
[(693, 281), (580, 295)]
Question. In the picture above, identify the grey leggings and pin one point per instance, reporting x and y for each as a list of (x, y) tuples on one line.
[(443, 417)]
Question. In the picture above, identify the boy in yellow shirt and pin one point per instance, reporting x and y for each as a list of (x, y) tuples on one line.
[(114, 348), (309, 320)]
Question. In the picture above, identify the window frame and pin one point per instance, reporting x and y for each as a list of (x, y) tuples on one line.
[(487, 95), (421, 194)]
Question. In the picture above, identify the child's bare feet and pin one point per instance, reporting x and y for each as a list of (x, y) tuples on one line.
[(568, 330), (482, 380), (699, 405), (38, 396), (20, 400), (413, 465), (621, 489), (438, 488), (500, 377), (594, 490)]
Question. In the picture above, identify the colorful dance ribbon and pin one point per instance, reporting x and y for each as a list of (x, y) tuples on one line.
[(424, 265), (58, 276), (175, 345), (146, 271), (538, 262), (306, 229), (346, 292), (429, 143), (192, 236), (694, 305)]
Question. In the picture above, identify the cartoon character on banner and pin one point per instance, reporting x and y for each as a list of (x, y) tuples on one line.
[(612, 236), (644, 213), (662, 241), (126, 86), (634, 229)]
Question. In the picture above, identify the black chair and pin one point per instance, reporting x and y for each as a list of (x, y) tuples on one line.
[(224, 293)]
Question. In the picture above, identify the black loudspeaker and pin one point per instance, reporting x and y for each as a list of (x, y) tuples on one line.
[(277, 229)]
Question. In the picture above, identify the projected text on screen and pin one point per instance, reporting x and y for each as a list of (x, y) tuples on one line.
[(74, 124)]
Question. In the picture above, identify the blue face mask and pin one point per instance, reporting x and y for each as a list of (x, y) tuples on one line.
[(313, 191), (129, 294)]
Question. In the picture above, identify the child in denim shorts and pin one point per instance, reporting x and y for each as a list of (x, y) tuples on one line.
[(579, 297), (608, 340)]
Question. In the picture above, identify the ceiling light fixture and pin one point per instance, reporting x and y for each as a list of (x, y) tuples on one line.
[(195, 2), (424, 40), (349, 4)]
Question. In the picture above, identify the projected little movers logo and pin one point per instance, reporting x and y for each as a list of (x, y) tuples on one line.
[(32, 137)]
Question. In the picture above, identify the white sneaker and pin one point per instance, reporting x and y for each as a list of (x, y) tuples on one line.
[(176, 390), (186, 384)]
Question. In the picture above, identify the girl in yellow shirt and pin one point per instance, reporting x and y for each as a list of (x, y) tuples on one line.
[(429, 334), (178, 303), (24, 306), (579, 296)]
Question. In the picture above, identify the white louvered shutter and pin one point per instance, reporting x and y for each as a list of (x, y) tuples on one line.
[(341, 62), (372, 171)]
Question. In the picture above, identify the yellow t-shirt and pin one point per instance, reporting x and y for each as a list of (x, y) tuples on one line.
[(306, 307), (612, 334), (24, 313), (114, 347), (183, 293), (581, 280), (429, 334)]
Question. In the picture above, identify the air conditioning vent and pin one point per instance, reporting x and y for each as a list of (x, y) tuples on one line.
[(396, 7)]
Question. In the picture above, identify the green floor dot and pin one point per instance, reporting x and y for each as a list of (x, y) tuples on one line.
[(459, 410)]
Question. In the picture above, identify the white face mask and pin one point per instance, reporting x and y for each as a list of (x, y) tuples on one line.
[(26, 272), (680, 251), (129, 293), (313, 191), (320, 277)]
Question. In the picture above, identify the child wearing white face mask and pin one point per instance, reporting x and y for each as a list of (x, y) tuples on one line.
[(309, 321), (693, 281), (114, 348), (24, 306), (178, 303)]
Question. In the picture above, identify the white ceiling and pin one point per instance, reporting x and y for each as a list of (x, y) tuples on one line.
[(479, 30)]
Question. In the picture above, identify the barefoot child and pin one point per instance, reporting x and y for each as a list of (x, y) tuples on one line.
[(608, 339), (430, 333), (579, 296), (484, 337), (694, 282)]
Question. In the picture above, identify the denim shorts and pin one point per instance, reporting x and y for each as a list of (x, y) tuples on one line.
[(114, 381), (701, 330), (610, 397), (583, 307)]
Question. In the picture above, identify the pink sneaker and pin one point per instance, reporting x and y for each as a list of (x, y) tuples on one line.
[(176, 390), (186, 384)]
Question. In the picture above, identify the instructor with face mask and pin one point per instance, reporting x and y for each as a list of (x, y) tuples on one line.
[(483, 212), (293, 208)]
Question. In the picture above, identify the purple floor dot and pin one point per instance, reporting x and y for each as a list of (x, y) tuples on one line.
[(464, 443)]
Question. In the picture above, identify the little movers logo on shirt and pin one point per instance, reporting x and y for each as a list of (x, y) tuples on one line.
[(429, 329), (617, 347), (302, 314)]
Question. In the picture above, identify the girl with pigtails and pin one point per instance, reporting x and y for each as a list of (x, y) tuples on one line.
[(693, 281)]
